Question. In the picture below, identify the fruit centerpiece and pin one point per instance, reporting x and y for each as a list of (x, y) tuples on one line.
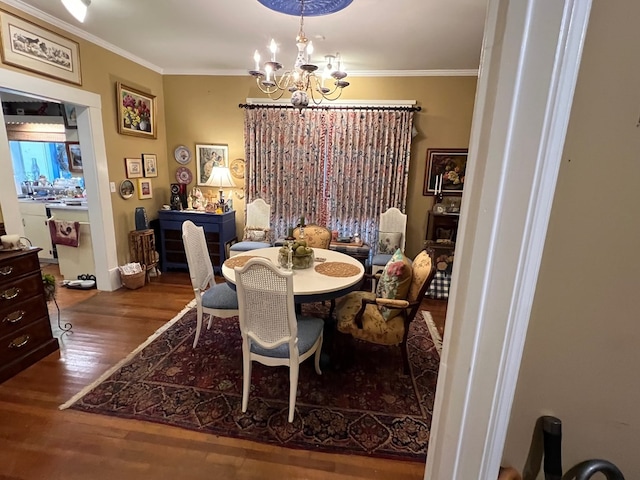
[(301, 255)]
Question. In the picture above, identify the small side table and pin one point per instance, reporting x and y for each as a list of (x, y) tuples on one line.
[(142, 249)]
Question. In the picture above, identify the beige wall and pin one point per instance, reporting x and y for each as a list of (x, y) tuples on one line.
[(582, 349), (204, 109), (101, 70)]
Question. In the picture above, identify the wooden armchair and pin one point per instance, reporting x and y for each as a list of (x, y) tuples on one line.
[(359, 313)]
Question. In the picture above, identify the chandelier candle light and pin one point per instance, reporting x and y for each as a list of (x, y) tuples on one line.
[(302, 81)]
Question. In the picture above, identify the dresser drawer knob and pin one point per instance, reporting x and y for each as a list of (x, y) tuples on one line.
[(10, 293), (6, 270), (14, 317), (20, 341)]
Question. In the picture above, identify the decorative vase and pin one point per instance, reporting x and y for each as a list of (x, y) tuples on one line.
[(143, 125)]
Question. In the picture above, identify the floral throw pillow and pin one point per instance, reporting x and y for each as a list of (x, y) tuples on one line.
[(252, 234), (389, 242), (394, 282)]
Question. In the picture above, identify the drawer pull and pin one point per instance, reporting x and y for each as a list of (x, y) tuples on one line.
[(6, 270), (20, 341), (14, 317), (10, 293)]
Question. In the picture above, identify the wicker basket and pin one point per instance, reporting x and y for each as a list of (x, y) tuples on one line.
[(135, 280)]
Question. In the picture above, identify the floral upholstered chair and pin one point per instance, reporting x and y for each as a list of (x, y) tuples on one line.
[(383, 317), (315, 235)]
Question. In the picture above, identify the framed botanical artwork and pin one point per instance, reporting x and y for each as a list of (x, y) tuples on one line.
[(133, 167), (445, 171), (136, 112), (126, 189), (69, 116), (207, 157), (145, 190), (74, 155), (39, 50), (150, 164)]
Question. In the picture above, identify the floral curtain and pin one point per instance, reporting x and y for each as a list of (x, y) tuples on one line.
[(338, 167)]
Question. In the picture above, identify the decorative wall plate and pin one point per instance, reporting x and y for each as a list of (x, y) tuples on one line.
[(182, 155), (236, 167), (126, 189), (184, 175)]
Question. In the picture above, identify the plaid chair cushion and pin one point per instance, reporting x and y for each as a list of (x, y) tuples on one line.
[(440, 284)]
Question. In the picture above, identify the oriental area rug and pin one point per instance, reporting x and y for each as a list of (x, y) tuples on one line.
[(366, 408)]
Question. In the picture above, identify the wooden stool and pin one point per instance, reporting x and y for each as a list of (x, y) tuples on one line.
[(142, 249)]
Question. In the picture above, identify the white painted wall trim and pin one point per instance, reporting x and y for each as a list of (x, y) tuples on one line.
[(530, 65), (95, 168)]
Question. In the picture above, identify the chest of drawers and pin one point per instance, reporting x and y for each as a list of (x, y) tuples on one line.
[(25, 331)]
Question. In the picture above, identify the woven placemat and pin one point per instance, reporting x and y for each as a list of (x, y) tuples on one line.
[(239, 261), (337, 269)]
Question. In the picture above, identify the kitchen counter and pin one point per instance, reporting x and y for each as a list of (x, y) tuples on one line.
[(64, 206)]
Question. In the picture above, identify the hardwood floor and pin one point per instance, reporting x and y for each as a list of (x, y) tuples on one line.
[(41, 442)]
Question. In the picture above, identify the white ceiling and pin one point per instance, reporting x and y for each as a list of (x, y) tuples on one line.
[(374, 37)]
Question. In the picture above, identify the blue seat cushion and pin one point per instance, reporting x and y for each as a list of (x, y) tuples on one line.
[(247, 246), (220, 296), (309, 329), (381, 259)]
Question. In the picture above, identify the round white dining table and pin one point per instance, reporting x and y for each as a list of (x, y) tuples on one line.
[(308, 284)]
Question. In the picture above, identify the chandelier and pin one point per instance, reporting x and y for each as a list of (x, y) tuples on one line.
[(303, 80)]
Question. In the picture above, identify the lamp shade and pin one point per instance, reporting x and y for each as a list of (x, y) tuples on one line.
[(220, 177), (77, 8)]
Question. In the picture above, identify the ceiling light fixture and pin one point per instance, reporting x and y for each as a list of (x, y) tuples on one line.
[(77, 8), (302, 81)]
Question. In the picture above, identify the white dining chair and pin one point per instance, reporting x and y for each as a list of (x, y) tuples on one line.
[(272, 333), (391, 236), (212, 298), (257, 231)]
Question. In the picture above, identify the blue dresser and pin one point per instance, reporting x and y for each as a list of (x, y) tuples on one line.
[(219, 230)]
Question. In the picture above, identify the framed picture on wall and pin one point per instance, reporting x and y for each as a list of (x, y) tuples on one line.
[(74, 155), (145, 189), (136, 112), (133, 167), (445, 171), (69, 116), (150, 164), (39, 50), (207, 157)]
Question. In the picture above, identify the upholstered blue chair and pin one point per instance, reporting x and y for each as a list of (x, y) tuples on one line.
[(272, 333), (212, 298), (257, 230)]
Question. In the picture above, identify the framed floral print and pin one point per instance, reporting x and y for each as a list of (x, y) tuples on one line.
[(145, 189), (445, 171), (207, 157), (133, 167), (74, 155), (150, 164), (136, 112)]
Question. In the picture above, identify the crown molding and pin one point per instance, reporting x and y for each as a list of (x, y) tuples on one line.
[(72, 29)]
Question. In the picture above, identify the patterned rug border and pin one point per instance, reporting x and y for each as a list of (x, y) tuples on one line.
[(433, 330), (126, 359)]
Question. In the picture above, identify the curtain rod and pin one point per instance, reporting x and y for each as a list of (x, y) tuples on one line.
[(251, 106)]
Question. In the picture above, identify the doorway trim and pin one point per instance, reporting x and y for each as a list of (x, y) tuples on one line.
[(95, 168)]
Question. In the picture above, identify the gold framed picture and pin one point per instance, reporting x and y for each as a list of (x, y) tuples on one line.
[(26, 45), (145, 189), (136, 112), (133, 167)]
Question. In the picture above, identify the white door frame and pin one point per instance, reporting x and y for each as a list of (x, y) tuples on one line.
[(94, 164), (531, 56)]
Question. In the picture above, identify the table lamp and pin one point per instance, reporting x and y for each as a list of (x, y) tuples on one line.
[(220, 177)]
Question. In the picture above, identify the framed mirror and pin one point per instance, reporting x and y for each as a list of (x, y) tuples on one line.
[(126, 189)]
